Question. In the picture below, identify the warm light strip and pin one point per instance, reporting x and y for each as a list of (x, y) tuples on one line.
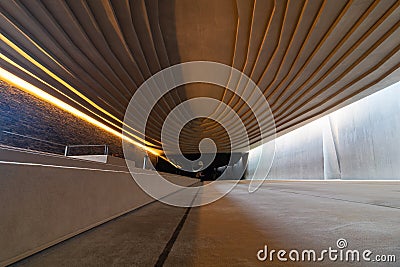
[(20, 83), (58, 79), (70, 98)]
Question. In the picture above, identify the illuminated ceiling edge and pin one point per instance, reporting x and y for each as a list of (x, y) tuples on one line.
[(35, 91), (72, 89)]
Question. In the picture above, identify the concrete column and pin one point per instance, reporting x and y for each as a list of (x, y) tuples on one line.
[(329, 152)]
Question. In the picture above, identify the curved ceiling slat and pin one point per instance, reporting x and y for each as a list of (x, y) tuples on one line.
[(327, 25), (307, 56), (337, 46), (84, 54), (393, 31), (306, 116), (245, 19), (82, 16), (343, 57), (351, 65), (106, 19), (77, 68)]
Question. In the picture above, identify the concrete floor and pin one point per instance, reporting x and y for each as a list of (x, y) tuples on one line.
[(283, 215)]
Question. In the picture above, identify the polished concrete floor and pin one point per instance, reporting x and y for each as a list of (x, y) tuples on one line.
[(229, 232)]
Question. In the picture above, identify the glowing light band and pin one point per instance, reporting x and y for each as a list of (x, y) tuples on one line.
[(31, 89), (70, 98), (58, 79)]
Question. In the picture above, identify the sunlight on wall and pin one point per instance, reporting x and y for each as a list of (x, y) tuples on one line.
[(364, 143)]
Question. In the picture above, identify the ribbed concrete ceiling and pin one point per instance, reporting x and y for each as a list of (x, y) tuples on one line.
[(308, 57)]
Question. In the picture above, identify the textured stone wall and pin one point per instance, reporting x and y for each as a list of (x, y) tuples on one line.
[(24, 114)]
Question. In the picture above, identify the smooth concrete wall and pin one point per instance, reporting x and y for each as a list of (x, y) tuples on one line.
[(139, 156), (359, 141), (367, 136), (290, 153), (105, 159), (118, 161), (96, 158), (43, 205), (297, 155), (329, 151)]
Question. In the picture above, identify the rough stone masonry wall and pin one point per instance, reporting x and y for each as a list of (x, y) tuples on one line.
[(24, 114)]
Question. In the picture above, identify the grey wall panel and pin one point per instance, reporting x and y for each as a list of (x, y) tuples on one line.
[(359, 141), (368, 134), (298, 155), (329, 149), (41, 206)]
